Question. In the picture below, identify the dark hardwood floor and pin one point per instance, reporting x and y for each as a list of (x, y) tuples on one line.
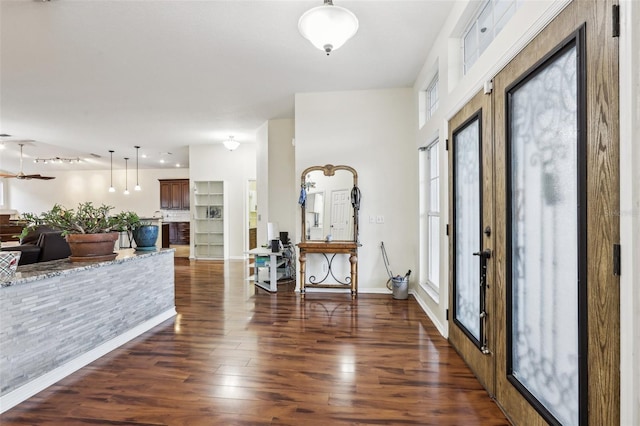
[(234, 356)]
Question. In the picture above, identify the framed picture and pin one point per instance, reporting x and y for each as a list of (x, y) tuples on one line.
[(214, 212)]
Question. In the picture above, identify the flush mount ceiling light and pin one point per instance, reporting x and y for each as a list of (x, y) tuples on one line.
[(137, 187), (111, 188), (231, 143), (328, 27)]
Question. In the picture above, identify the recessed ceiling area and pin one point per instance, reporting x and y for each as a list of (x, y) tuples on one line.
[(82, 77)]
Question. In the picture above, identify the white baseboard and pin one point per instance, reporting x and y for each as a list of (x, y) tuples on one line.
[(434, 319), (38, 384)]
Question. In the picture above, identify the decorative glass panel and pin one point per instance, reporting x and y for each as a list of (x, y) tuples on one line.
[(544, 235), (467, 227)]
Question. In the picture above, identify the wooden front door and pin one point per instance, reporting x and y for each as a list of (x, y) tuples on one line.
[(471, 201), (551, 299)]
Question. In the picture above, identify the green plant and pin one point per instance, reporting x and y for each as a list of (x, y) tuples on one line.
[(85, 219), (127, 221)]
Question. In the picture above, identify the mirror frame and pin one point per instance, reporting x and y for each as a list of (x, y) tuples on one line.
[(328, 170)]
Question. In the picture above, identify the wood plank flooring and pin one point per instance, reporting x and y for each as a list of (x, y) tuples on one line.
[(235, 355)]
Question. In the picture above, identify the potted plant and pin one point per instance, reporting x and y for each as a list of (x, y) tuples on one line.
[(144, 233), (90, 231)]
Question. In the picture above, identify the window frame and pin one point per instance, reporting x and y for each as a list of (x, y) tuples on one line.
[(432, 102), (432, 288), (474, 25)]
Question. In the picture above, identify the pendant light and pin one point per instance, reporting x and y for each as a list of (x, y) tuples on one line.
[(111, 188), (328, 27), (231, 143), (126, 176), (137, 187)]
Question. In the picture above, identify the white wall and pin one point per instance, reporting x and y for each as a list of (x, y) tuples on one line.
[(70, 188), (282, 181), (630, 212), (216, 163), (372, 131), (276, 183), (262, 182)]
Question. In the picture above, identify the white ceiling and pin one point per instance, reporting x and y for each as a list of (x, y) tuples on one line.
[(85, 76)]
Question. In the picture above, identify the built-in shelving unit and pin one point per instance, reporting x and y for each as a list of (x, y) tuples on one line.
[(208, 220)]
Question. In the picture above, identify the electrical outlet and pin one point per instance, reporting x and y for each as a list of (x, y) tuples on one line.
[(372, 219), (380, 219)]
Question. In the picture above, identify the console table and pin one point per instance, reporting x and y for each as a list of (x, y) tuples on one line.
[(329, 249)]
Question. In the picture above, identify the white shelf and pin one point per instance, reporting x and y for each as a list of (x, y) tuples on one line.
[(208, 215), (268, 272)]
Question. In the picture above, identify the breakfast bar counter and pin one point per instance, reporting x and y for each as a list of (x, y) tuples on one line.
[(56, 317)]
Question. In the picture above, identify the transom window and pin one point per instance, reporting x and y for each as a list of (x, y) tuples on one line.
[(432, 97), (492, 17)]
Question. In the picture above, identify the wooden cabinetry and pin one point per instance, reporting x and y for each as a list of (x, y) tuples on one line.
[(209, 220), (179, 232), (253, 238), (166, 229), (174, 194), (10, 231)]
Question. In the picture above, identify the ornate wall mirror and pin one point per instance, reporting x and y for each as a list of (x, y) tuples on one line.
[(330, 200)]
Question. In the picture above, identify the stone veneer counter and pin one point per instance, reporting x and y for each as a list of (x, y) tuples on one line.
[(58, 316)]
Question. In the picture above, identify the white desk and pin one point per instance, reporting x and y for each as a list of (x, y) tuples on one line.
[(275, 259)]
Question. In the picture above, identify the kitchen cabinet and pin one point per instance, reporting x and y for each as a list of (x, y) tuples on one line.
[(179, 232), (166, 229), (174, 194)]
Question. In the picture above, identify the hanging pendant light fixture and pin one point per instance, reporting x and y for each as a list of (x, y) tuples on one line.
[(231, 143), (126, 176), (137, 187), (111, 188), (328, 27)]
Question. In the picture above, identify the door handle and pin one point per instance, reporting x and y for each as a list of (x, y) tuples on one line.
[(485, 254)]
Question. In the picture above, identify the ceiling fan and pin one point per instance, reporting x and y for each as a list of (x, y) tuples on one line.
[(21, 175)]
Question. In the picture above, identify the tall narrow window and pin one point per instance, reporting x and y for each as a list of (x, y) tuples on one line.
[(432, 97), (431, 218), (428, 101), (493, 15)]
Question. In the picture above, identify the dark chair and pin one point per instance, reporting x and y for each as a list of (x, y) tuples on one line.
[(53, 246), (41, 245), (29, 253)]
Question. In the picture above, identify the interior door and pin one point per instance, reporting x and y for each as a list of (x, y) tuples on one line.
[(341, 211), (551, 302), (472, 303)]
